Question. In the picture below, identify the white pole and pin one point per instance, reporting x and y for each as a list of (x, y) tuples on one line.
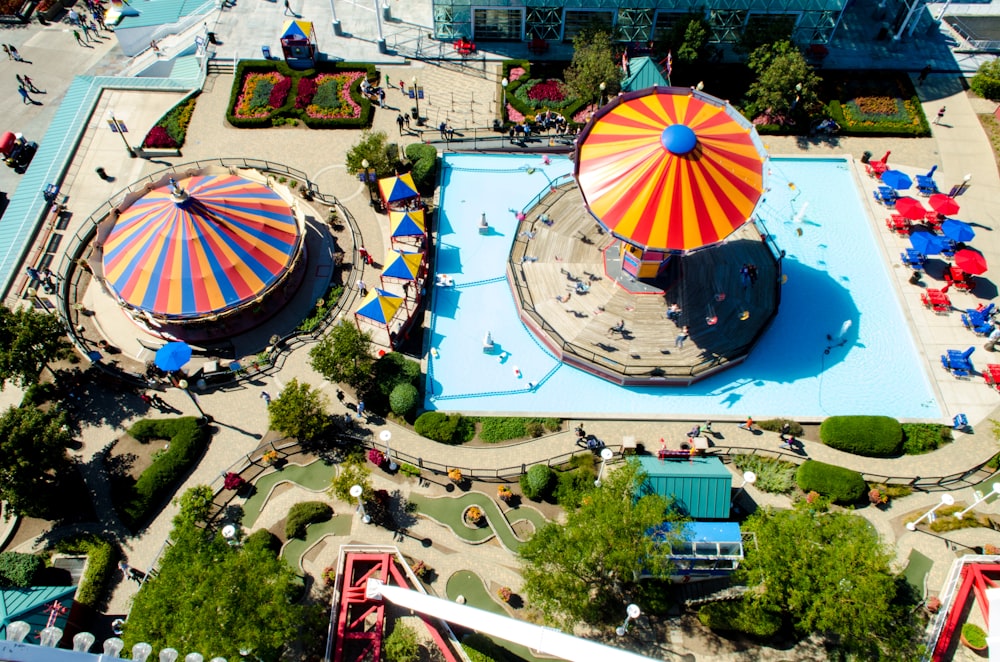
[(909, 15), (946, 500), (337, 30)]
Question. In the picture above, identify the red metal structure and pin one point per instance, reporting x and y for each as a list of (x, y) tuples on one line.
[(359, 620), (975, 580)]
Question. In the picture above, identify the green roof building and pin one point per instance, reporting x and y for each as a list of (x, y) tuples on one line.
[(643, 73), (701, 487), (34, 605)]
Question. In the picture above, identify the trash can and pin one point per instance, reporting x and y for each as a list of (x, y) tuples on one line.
[(866, 157)]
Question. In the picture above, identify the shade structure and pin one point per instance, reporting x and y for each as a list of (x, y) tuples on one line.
[(926, 243), (957, 230), (400, 187), (942, 204), (380, 306), (402, 265), (406, 224), (971, 261), (298, 29), (670, 169), (173, 356), (896, 179), (910, 208), (226, 242)]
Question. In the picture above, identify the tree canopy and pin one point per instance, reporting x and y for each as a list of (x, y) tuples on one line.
[(829, 572), (29, 340), (594, 62), (588, 568), (688, 38), (785, 82), (33, 459), (299, 411), (213, 598), (344, 355), (375, 148)]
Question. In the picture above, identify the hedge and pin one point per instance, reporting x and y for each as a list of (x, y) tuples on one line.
[(535, 484), (303, 514), (18, 570), (481, 648), (924, 437), (188, 439), (102, 562), (404, 399), (732, 617), (871, 436), (840, 484), (425, 165), (264, 539), (446, 428), (288, 109)]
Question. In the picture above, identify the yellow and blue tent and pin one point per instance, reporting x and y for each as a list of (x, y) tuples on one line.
[(402, 265), (406, 224), (397, 188), (379, 307)]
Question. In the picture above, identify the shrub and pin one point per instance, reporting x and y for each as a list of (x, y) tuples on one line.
[(264, 539), (734, 617), (975, 635), (774, 425), (188, 439), (439, 426), (474, 514), (986, 82), (18, 570), (376, 457), (481, 648), (924, 437), (504, 593), (842, 485), (401, 645), (535, 483), (552, 424), (408, 469), (158, 137), (102, 561), (425, 165), (774, 476), (303, 514), (404, 399), (871, 436), (571, 486)]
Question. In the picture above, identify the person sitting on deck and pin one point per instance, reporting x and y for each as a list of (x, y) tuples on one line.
[(582, 288), (673, 312), (618, 328)]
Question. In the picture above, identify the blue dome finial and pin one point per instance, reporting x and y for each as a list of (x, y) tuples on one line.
[(678, 139)]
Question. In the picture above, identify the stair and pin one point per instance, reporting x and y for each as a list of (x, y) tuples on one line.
[(221, 66)]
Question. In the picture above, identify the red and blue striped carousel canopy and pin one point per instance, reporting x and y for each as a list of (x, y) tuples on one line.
[(225, 244), (670, 168)]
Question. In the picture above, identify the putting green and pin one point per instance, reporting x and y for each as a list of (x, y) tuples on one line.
[(293, 550), (448, 511), (469, 585), (314, 476)]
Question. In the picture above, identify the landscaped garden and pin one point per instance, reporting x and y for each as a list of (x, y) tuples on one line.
[(267, 93), (171, 130)]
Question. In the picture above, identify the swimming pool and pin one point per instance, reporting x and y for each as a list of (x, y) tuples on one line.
[(839, 344)]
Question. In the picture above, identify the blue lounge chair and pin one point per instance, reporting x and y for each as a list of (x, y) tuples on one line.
[(913, 259), (926, 185), (979, 327), (958, 363), (980, 315), (885, 195)]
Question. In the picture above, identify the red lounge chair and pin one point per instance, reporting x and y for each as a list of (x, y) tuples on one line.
[(898, 224), (936, 300), (992, 375)]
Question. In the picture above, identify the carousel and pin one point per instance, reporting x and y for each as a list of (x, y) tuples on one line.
[(651, 268), (201, 255)]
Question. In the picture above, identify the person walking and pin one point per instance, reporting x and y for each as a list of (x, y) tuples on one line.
[(24, 95), (6, 49), (940, 115), (748, 425), (681, 337), (361, 410), (266, 397), (288, 9), (923, 74), (76, 35), (86, 31), (400, 122), (14, 54), (406, 118), (30, 84), (362, 287)]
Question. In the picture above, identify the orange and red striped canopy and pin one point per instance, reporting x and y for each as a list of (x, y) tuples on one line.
[(670, 168)]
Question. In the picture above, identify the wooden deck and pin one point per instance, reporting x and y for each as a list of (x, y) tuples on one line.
[(724, 317)]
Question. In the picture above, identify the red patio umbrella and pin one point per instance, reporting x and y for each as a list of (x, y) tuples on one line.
[(910, 208), (971, 261), (943, 205)]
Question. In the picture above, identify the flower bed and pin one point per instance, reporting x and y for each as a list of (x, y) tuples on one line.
[(267, 93), (171, 131), (878, 104), (528, 94)]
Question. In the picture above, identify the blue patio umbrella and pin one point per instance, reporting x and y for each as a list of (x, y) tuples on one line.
[(897, 180), (926, 243), (957, 230), (173, 356)]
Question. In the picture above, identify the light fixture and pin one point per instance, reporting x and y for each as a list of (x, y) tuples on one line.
[(50, 636), (17, 631), (141, 651), (82, 641), (113, 647)]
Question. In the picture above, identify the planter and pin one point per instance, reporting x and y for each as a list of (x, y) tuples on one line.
[(974, 637), (471, 523)]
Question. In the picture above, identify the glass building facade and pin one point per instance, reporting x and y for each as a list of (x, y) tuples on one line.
[(812, 21)]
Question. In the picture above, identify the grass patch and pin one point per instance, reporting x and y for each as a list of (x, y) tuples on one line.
[(919, 438), (992, 129), (503, 428)]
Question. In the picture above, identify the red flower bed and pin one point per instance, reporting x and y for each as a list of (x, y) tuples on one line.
[(306, 91), (158, 137), (280, 92), (547, 90)]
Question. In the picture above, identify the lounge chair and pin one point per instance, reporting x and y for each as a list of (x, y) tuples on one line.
[(926, 186), (912, 259), (992, 375), (885, 195), (958, 363), (899, 224), (936, 300)]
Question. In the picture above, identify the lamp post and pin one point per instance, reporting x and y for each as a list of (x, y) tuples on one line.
[(606, 455), (386, 435), (631, 612), (980, 497), (183, 385), (946, 500), (119, 128), (367, 175), (355, 492), (600, 100), (749, 478), (337, 30), (503, 112), (416, 100)]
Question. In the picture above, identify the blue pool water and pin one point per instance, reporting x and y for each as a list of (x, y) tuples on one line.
[(836, 274)]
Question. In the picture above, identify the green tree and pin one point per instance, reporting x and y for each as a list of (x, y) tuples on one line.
[(344, 355), (29, 340), (986, 82), (587, 568), (785, 82), (33, 459), (353, 471), (829, 573), (402, 645), (299, 411), (688, 39), (375, 148), (210, 597), (594, 62)]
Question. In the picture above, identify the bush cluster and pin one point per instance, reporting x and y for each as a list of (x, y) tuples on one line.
[(480, 648), (502, 428), (264, 539), (774, 476), (986, 82), (404, 399), (303, 514), (871, 436), (188, 439), (774, 425), (18, 570), (293, 96), (446, 428), (537, 482), (390, 372), (840, 484), (425, 165), (733, 617), (924, 437), (102, 561), (171, 130)]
